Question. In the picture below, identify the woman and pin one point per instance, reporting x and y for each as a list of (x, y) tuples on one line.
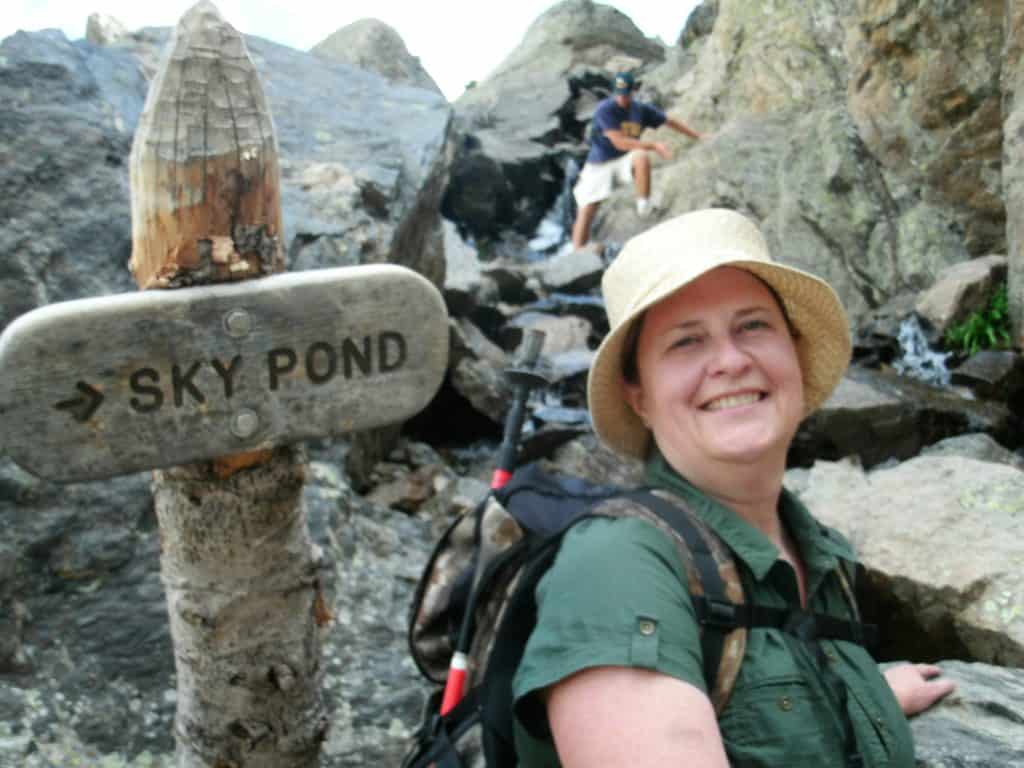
[(714, 356)]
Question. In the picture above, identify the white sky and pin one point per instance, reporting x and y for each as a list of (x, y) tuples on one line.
[(456, 40)]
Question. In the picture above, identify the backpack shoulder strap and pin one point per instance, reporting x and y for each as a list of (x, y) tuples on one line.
[(714, 583)]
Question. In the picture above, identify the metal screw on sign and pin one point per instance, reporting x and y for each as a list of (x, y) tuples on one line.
[(244, 423), (238, 323)]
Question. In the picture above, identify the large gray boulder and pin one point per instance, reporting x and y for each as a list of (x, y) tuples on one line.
[(375, 46), (362, 171), (978, 725), (942, 537), (69, 116)]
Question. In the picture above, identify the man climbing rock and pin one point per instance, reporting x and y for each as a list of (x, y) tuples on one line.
[(617, 154)]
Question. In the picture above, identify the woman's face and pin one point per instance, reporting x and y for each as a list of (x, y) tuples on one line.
[(719, 378)]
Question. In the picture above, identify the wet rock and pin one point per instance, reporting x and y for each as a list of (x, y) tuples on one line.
[(514, 285), (879, 416), (994, 374), (573, 271), (876, 340), (589, 307)]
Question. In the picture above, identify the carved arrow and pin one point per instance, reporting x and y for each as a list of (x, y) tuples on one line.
[(83, 406)]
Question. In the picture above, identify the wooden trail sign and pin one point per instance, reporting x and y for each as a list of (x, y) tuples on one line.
[(101, 387)]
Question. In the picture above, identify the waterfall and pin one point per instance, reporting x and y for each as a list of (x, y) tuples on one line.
[(553, 233), (919, 360)]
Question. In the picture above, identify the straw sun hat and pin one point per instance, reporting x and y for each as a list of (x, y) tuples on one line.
[(660, 261)]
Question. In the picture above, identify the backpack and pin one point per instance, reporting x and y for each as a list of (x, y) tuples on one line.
[(479, 584)]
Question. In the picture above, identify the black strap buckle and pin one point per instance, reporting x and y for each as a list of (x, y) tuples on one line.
[(720, 614), (802, 625)]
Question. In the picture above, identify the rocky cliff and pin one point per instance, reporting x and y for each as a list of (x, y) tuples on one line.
[(875, 140)]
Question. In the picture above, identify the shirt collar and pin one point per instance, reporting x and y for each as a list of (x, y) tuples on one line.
[(819, 547)]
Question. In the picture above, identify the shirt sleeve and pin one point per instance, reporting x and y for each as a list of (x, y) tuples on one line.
[(652, 116), (616, 595)]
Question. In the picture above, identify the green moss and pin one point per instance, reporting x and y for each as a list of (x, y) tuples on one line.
[(988, 328)]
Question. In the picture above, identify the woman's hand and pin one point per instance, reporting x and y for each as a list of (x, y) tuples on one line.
[(914, 687)]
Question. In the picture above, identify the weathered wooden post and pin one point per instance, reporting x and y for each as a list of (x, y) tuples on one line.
[(213, 382), (238, 567)]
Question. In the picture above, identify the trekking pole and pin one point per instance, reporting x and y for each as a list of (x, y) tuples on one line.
[(524, 377)]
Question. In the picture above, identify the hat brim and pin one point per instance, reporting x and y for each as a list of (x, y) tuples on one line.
[(822, 344)]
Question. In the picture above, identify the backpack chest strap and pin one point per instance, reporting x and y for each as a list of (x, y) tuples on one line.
[(724, 616)]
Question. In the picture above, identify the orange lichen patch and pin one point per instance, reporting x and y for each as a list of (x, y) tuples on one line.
[(321, 613), (226, 466)]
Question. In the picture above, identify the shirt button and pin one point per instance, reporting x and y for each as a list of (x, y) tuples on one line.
[(647, 627), (830, 655), (785, 703)]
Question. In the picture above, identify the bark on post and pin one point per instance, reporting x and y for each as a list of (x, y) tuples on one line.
[(1013, 160), (237, 562)]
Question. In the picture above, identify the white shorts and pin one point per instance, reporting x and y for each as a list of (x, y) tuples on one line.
[(597, 180)]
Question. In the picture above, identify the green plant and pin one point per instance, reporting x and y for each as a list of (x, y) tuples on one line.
[(987, 328)]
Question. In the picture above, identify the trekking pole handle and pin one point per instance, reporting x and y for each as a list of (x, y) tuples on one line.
[(525, 378)]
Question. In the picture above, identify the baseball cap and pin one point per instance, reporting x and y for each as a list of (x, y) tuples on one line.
[(624, 82)]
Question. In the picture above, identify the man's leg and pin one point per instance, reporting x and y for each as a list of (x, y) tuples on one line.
[(581, 227), (642, 174)]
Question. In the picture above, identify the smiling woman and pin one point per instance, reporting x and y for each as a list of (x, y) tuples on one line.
[(715, 355)]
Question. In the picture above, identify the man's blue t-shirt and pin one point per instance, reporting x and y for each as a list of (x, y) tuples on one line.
[(611, 117)]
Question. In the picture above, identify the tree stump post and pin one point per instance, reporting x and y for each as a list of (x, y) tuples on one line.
[(241, 573)]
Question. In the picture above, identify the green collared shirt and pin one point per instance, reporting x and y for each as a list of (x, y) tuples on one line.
[(783, 710)]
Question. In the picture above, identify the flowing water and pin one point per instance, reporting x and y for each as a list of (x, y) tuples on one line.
[(552, 235), (919, 360)]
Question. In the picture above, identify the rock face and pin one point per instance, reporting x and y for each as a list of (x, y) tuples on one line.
[(979, 726), (942, 537), (933, 124), (372, 45), (59, 90), (871, 158), (1012, 83), (349, 196)]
